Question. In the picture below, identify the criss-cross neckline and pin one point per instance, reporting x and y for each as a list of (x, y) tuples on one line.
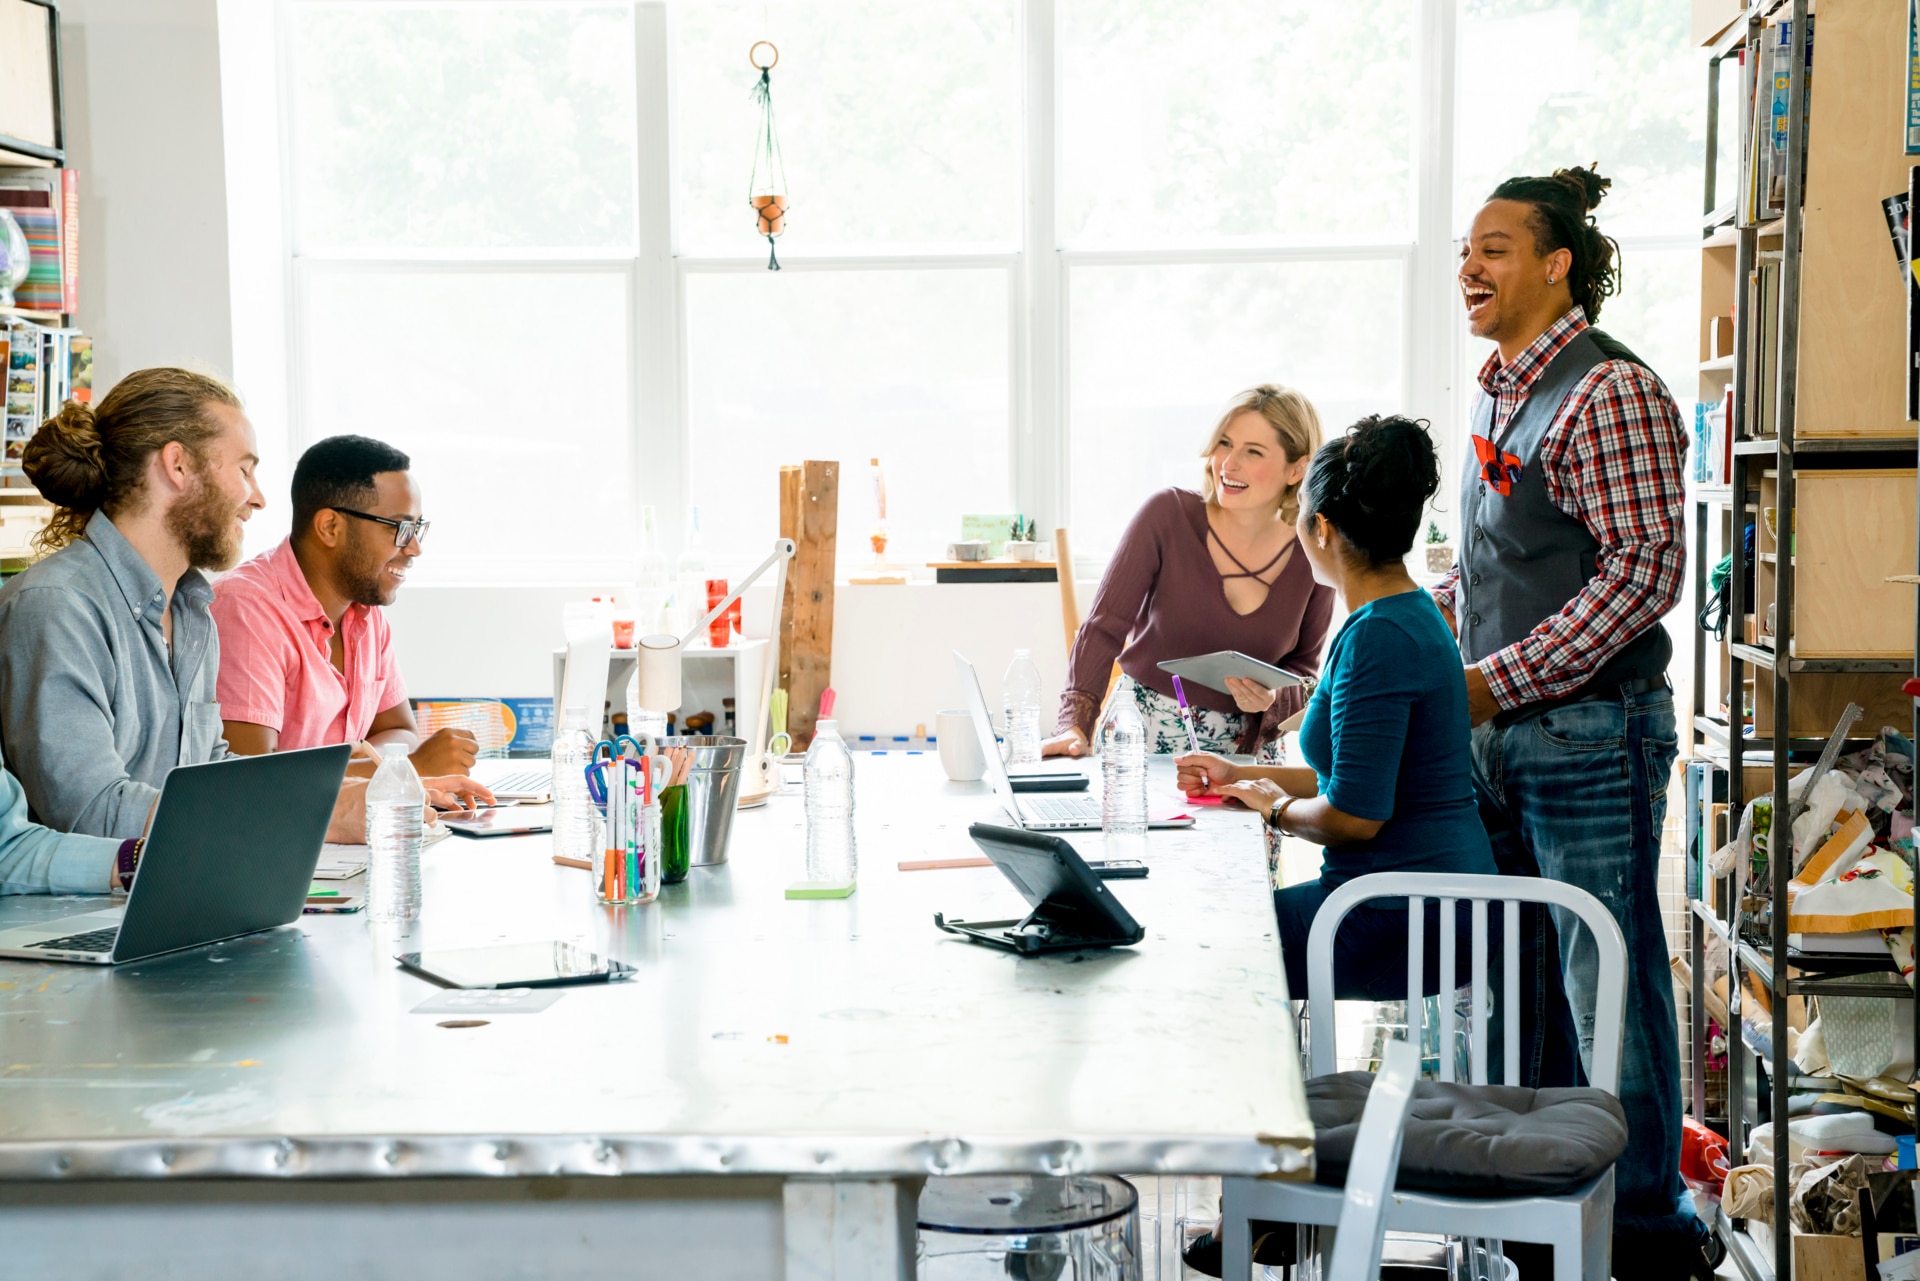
[(1254, 574)]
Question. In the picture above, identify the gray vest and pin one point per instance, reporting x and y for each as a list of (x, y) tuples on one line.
[(1523, 558)]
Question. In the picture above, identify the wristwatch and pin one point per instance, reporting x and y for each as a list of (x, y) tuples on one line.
[(1278, 812), (128, 858)]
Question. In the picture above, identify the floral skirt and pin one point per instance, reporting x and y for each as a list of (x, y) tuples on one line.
[(1217, 731)]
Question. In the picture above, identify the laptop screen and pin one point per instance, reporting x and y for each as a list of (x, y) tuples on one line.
[(989, 746)]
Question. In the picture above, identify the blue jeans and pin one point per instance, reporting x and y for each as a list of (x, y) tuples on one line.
[(1578, 793)]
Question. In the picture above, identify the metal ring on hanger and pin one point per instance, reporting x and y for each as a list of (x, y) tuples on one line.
[(758, 65)]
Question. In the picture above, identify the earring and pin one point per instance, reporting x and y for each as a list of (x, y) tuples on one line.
[(1549, 279)]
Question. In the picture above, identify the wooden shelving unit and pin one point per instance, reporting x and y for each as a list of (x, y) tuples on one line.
[(1831, 495)]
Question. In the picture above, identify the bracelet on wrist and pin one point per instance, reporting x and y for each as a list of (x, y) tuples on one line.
[(1279, 812)]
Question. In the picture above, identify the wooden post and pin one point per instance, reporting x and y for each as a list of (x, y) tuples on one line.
[(1069, 603), (810, 516)]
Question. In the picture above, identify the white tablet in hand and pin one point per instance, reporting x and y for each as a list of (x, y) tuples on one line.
[(1212, 670)]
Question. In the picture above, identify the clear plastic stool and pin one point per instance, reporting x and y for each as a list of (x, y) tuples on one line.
[(1083, 1227)]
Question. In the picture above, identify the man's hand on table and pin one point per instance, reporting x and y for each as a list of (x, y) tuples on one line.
[(454, 792), (445, 752)]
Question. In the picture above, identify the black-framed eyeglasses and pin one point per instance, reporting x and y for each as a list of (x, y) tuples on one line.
[(404, 531)]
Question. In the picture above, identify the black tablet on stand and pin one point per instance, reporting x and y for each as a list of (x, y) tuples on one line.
[(1072, 910)]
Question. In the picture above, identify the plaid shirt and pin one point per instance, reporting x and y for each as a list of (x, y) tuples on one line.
[(1612, 460)]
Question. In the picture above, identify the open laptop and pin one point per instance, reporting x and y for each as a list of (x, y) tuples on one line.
[(1038, 811), (524, 782), (231, 851)]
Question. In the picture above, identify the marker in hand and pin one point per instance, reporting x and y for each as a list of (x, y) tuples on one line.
[(1186, 714)]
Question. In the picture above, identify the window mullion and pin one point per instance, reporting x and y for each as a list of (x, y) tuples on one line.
[(1039, 449), (659, 451)]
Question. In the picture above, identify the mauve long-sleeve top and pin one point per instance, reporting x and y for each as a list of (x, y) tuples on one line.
[(1162, 598)]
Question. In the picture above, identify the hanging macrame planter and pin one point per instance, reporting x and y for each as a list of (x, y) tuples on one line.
[(768, 191)]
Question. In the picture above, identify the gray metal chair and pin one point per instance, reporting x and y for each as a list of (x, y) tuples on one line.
[(1363, 1206), (1579, 1224)]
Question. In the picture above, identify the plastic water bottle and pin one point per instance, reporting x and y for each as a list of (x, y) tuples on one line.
[(642, 722), (831, 857), (1123, 770), (653, 586), (396, 814), (572, 807), (1021, 688), (690, 578)]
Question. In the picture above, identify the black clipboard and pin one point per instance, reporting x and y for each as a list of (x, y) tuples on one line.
[(1072, 909)]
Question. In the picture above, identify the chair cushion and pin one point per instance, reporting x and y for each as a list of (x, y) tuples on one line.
[(1469, 1140)]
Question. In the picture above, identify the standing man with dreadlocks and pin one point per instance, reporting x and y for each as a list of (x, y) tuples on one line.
[(1572, 549)]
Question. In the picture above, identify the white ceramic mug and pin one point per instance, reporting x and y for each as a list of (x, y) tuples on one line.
[(959, 747)]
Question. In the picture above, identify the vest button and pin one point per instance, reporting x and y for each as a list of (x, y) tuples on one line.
[(1483, 487), (1474, 619), (1474, 580)]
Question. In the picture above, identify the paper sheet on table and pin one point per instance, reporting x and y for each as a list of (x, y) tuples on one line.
[(338, 862)]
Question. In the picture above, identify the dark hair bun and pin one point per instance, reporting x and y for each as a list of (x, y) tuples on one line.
[(1373, 484), (66, 461), (1587, 183)]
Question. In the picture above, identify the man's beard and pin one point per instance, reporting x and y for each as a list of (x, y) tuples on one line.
[(204, 523), (362, 583)]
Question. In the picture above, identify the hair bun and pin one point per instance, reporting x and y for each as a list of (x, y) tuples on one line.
[(1391, 463), (66, 461), (1587, 181)]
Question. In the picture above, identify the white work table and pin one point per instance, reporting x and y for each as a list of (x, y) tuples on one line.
[(774, 1084)]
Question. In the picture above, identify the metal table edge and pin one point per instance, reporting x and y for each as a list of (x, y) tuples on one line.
[(616, 1155)]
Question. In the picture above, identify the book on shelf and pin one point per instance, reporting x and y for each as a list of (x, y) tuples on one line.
[(1712, 445), (1766, 140), (1898, 209), (45, 368), (1763, 298), (46, 204)]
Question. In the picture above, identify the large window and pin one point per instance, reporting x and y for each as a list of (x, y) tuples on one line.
[(1035, 246)]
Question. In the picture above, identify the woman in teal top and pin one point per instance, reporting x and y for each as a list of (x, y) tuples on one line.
[(1390, 783)]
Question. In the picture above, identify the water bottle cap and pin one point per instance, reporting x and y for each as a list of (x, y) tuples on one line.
[(1021, 653), (390, 750)]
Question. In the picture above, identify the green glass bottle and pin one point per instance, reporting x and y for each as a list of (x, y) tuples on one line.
[(674, 832)]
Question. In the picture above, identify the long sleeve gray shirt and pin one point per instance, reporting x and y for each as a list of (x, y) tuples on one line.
[(94, 708), (39, 860)]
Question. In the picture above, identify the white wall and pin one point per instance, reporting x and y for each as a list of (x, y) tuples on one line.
[(892, 659), (144, 133)]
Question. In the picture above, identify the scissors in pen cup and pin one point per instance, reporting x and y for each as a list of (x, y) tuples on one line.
[(656, 769)]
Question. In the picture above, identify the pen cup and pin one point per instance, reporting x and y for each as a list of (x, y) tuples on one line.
[(627, 845)]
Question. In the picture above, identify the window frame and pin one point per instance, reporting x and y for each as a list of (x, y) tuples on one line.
[(1039, 268)]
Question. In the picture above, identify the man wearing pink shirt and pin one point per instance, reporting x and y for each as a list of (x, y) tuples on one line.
[(306, 657)]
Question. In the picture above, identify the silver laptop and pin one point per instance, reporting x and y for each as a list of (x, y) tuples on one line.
[(525, 782), (1037, 811), (232, 851)]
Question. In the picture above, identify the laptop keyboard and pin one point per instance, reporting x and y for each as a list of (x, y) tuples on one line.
[(91, 941), (526, 780), (1062, 809)]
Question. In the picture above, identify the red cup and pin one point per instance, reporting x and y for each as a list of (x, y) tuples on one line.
[(720, 630)]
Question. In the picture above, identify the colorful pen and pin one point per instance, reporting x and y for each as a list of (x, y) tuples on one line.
[(1186, 714)]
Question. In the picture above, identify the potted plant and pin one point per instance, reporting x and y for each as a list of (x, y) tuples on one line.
[(1020, 542), (1439, 551)]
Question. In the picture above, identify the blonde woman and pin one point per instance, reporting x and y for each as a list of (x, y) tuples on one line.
[(1206, 571)]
